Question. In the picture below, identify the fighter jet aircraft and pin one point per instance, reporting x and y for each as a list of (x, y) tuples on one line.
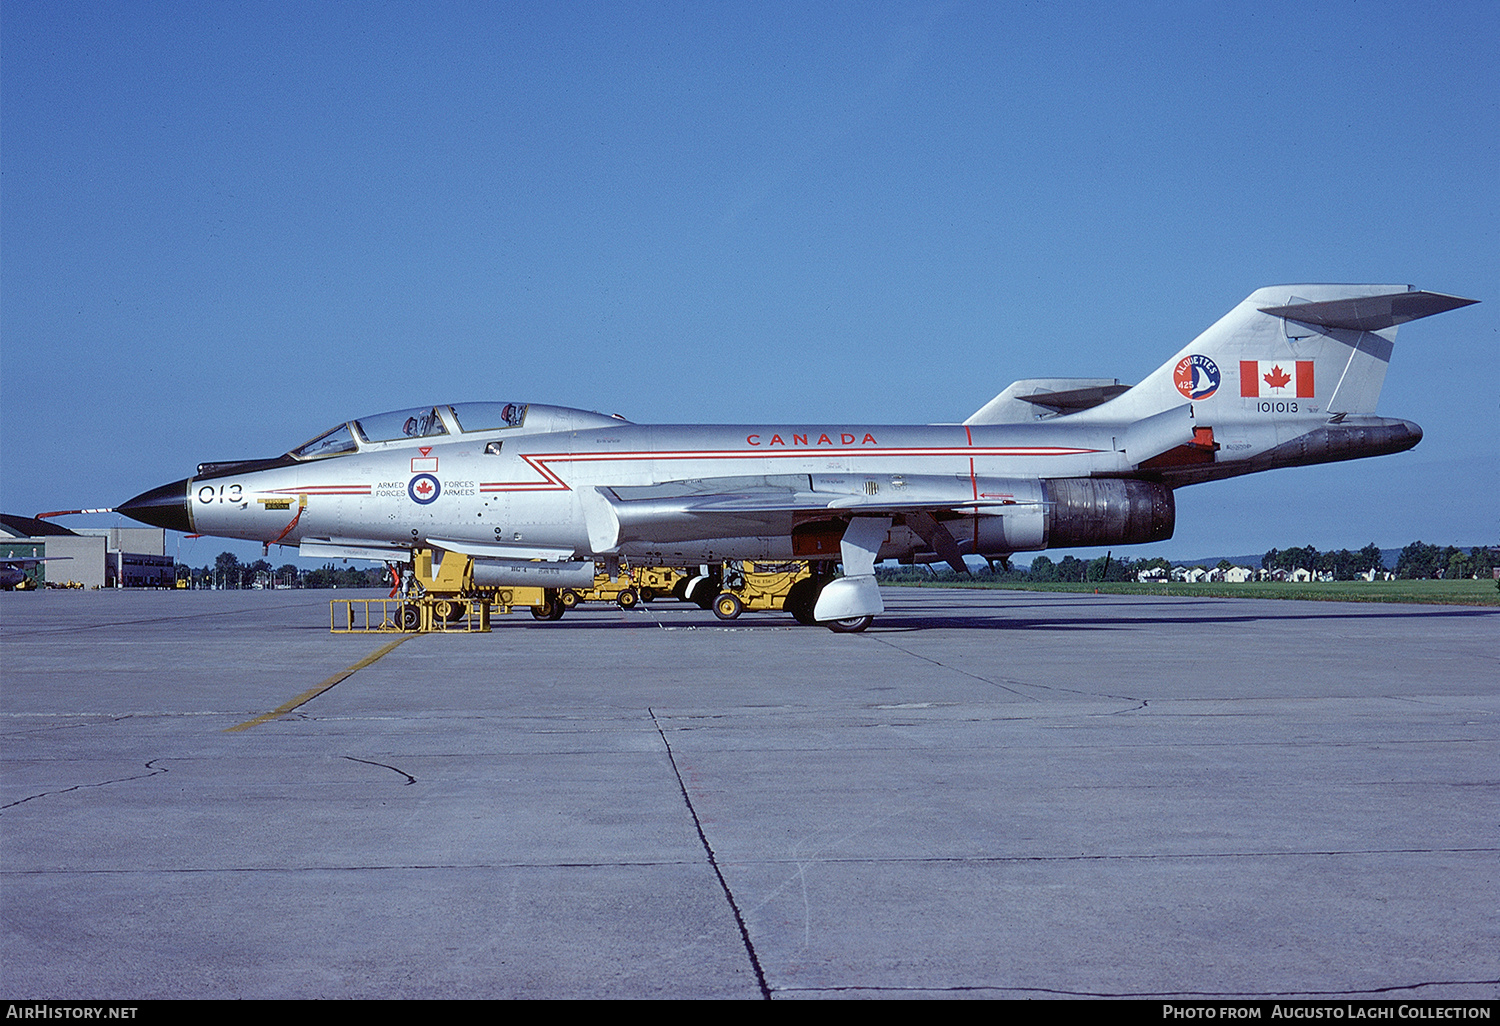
[(538, 494), (13, 570)]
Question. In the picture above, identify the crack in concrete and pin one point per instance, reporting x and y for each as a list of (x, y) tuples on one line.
[(1003, 683), (1128, 856), (24, 632), (799, 864), (409, 778), (713, 861), (155, 770)]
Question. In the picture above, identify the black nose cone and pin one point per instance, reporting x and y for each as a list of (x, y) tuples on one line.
[(166, 506)]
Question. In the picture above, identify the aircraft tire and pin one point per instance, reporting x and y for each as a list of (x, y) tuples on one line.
[(728, 607), (801, 599), (409, 617), (706, 592), (628, 599), (679, 590), (852, 625), (550, 609)]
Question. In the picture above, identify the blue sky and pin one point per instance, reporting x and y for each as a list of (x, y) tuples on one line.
[(225, 228)]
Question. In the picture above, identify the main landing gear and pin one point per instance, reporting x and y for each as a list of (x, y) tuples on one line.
[(847, 604), (802, 600)]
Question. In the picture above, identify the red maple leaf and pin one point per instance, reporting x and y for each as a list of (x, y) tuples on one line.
[(1278, 377), (424, 487)]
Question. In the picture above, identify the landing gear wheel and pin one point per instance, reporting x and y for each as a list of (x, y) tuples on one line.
[(551, 608), (409, 617), (628, 599), (679, 590), (727, 606), (800, 600), (706, 592), (569, 599), (853, 625)]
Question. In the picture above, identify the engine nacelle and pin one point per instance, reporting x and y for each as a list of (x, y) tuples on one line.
[(1033, 514), (1082, 511)]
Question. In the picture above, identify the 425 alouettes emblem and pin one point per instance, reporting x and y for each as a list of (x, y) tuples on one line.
[(1196, 377), (423, 489)]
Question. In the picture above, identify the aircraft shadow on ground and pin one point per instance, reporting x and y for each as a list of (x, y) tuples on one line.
[(1103, 615), (1107, 620)]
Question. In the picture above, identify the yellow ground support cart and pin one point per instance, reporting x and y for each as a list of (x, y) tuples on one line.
[(440, 598), (757, 586), (634, 585)]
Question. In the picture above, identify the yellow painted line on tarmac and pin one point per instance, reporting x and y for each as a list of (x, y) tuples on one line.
[(310, 694)]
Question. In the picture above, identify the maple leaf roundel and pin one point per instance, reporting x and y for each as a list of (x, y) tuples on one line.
[(424, 488)]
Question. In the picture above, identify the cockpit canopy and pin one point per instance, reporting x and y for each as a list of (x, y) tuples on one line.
[(386, 429)]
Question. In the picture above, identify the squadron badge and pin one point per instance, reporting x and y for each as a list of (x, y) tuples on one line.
[(1196, 377)]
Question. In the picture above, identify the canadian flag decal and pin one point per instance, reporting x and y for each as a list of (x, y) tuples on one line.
[(1276, 379)]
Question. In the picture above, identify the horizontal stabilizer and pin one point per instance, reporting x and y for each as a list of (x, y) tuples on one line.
[(1032, 399), (1370, 313), (1075, 398)]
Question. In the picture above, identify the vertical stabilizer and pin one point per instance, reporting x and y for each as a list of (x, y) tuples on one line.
[(1303, 349)]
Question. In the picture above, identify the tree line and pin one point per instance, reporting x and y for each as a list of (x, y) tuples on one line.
[(229, 572), (1419, 560), (1416, 561)]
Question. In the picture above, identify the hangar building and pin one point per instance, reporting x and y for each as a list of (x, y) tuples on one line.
[(99, 557)]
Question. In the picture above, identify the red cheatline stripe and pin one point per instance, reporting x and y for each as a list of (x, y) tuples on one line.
[(323, 490)]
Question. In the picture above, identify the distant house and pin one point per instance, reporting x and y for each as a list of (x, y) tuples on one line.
[(1239, 574)]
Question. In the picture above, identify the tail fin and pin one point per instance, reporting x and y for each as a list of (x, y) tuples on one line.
[(1319, 350)]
